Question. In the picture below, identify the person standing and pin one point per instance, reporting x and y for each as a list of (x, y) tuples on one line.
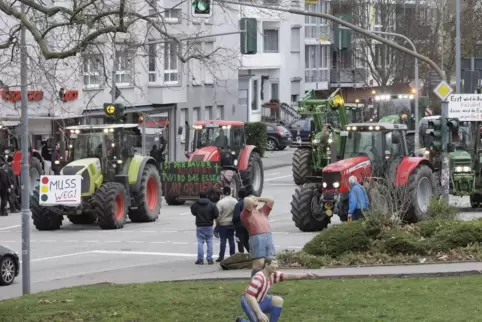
[(205, 212), (242, 235), (256, 302), (4, 189), (55, 162), (357, 200), (47, 155), (257, 223), (13, 195), (225, 223)]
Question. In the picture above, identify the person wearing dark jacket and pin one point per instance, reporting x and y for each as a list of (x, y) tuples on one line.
[(156, 154), (13, 199), (5, 189), (55, 165), (242, 235), (205, 212)]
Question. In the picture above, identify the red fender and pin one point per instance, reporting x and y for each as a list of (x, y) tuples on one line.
[(406, 167), (244, 157)]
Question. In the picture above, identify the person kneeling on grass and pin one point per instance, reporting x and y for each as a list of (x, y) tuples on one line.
[(256, 302)]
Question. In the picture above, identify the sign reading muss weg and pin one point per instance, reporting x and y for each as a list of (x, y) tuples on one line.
[(60, 190)]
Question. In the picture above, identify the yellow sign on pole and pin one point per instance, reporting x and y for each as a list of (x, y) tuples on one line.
[(443, 90)]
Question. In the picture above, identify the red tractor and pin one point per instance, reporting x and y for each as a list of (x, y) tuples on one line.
[(371, 151), (224, 142), (10, 146)]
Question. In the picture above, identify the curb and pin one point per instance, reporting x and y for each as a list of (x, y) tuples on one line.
[(339, 277)]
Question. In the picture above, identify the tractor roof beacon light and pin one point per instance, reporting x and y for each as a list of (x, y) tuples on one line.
[(434, 130), (202, 8)]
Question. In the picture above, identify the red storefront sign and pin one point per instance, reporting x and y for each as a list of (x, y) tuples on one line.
[(68, 95), (15, 96)]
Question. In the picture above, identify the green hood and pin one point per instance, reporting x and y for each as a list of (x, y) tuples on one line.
[(460, 155)]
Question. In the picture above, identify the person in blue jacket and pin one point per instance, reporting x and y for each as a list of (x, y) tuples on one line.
[(357, 199)]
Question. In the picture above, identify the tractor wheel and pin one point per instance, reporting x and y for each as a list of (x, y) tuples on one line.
[(35, 173), (254, 174), (84, 219), (44, 218), (110, 205), (149, 197), (421, 187), (302, 165), (174, 201), (302, 210)]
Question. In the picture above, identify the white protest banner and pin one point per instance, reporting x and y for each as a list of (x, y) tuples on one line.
[(465, 107), (60, 190)]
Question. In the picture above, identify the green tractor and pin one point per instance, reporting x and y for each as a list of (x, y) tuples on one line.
[(329, 116), (117, 182), (399, 109)]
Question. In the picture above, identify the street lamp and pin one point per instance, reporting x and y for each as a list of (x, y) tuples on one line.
[(417, 84)]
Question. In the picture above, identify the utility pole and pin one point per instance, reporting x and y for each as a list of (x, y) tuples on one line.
[(445, 175), (458, 67), (25, 174)]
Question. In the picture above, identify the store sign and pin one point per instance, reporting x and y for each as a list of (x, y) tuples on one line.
[(68, 95), (15, 96), (465, 107)]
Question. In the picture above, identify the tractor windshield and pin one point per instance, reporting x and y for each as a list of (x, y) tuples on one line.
[(365, 143), (219, 136), (331, 117), (89, 145)]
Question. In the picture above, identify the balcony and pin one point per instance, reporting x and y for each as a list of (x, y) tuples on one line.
[(348, 76), (261, 61)]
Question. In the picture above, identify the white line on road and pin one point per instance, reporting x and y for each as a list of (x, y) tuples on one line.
[(180, 243), (123, 252), (59, 256), (271, 174), (135, 241), (159, 242), (277, 178), (9, 227)]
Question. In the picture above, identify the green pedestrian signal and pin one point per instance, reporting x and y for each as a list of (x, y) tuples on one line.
[(202, 8)]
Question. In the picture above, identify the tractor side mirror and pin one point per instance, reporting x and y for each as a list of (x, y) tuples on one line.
[(179, 130)]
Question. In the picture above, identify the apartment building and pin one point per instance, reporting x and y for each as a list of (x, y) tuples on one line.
[(275, 73)]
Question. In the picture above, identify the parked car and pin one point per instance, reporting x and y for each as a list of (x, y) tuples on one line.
[(9, 265), (278, 137), (305, 129)]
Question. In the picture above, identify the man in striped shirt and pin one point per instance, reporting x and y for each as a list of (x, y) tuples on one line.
[(256, 302)]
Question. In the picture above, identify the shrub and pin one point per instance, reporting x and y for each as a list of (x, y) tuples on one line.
[(339, 239), (452, 236), (438, 208), (428, 228), (401, 242), (257, 134), (290, 258)]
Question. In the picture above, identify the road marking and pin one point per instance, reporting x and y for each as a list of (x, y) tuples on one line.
[(148, 231), (271, 174), (180, 243), (159, 242), (135, 241), (281, 184), (277, 178), (59, 256), (9, 227), (185, 214), (124, 252), (111, 241), (90, 241)]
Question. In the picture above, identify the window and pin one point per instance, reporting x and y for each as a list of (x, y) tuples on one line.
[(295, 39), (92, 70), (294, 98), (220, 112), (270, 41), (254, 95), (171, 64), (316, 63), (152, 62), (208, 113), (124, 68), (208, 75), (274, 91), (243, 99), (173, 15), (182, 122)]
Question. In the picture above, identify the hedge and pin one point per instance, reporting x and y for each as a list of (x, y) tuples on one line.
[(257, 134)]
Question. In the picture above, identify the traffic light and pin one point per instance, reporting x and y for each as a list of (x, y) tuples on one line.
[(434, 130), (114, 112), (202, 8), (453, 124), (249, 36)]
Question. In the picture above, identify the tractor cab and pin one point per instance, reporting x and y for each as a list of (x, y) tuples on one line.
[(111, 144), (226, 138)]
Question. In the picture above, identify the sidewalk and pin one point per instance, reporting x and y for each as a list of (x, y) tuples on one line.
[(277, 159)]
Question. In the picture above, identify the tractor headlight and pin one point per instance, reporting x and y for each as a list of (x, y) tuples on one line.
[(56, 162), (235, 162), (466, 169), (119, 161), (336, 185), (315, 141), (330, 141), (458, 169), (463, 169), (324, 185)]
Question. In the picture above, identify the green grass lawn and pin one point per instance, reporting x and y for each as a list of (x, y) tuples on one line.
[(421, 299)]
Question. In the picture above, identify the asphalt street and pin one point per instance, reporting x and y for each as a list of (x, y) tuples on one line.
[(162, 250), (61, 256)]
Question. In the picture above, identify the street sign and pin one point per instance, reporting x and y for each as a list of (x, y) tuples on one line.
[(443, 90), (465, 107), (110, 109), (117, 92)]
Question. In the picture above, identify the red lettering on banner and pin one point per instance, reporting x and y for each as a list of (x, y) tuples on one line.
[(15, 96), (67, 96)]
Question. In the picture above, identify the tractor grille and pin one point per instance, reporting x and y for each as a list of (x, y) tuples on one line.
[(331, 177), (71, 170)]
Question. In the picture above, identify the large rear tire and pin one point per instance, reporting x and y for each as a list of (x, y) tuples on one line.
[(302, 210), (174, 201), (35, 173), (302, 165), (44, 218), (421, 187), (149, 197), (254, 174), (111, 205)]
